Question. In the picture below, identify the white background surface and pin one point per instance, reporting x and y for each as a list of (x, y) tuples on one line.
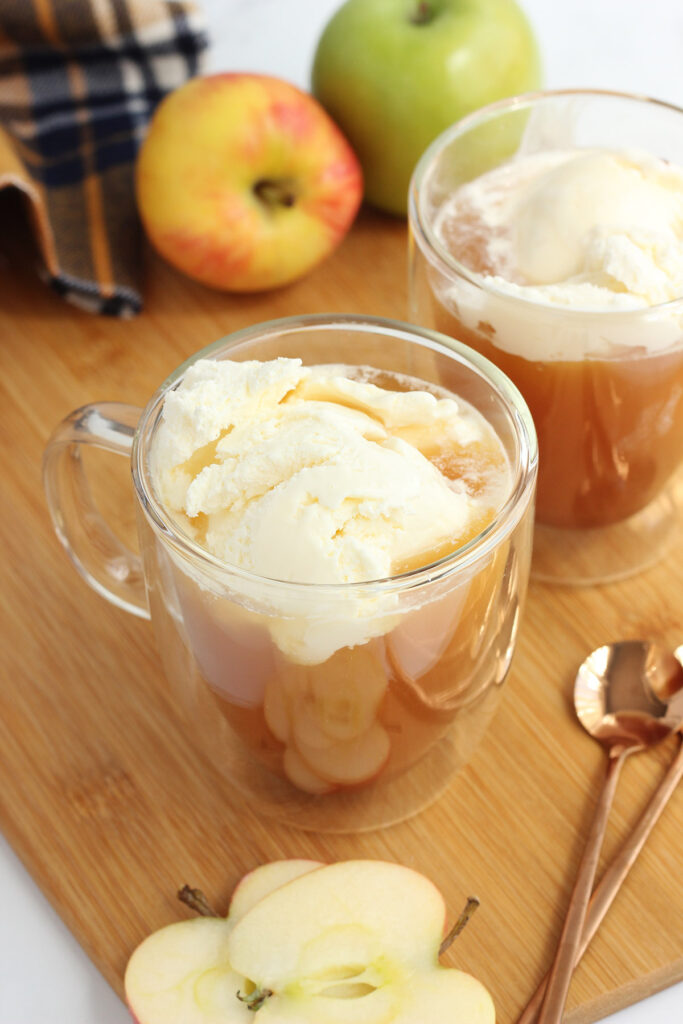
[(635, 45)]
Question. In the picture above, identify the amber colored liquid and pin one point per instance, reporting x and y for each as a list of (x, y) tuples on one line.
[(368, 712), (610, 431)]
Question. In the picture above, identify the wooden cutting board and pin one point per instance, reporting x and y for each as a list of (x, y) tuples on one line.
[(104, 790)]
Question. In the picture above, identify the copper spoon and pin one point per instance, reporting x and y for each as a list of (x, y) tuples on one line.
[(628, 696), (610, 883)]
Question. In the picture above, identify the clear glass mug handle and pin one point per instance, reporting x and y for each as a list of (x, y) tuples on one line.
[(103, 561)]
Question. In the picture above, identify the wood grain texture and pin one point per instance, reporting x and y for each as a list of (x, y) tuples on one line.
[(104, 790)]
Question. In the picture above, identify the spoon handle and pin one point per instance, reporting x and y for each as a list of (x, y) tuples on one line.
[(611, 881), (565, 956), (623, 862)]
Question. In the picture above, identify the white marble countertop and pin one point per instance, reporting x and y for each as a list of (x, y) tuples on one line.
[(45, 977)]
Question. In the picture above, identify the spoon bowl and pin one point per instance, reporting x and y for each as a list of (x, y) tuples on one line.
[(625, 693)]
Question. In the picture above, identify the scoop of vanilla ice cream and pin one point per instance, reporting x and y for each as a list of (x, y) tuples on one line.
[(587, 229), (304, 475), (599, 213)]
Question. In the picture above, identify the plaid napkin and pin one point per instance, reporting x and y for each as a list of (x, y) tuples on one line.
[(79, 80)]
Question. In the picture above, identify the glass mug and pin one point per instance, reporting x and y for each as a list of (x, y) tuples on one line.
[(609, 415), (417, 660)]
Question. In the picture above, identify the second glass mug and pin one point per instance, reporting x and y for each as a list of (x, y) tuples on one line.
[(605, 387), (422, 656)]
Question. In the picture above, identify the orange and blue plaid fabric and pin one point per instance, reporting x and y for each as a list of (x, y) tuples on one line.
[(79, 80)]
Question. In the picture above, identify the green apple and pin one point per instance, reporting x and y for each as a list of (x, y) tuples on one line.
[(394, 75)]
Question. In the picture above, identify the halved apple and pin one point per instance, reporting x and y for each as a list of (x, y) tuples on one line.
[(354, 943), (350, 943), (399, 908), (181, 974)]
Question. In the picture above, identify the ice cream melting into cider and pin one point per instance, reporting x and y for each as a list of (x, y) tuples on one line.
[(586, 229), (579, 254), (309, 476), (329, 475)]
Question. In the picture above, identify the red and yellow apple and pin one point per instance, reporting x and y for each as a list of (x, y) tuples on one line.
[(244, 182), (355, 942)]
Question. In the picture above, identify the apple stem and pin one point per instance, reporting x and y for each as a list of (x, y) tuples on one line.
[(422, 13), (275, 193), (470, 907), (257, 998), (197, 901)]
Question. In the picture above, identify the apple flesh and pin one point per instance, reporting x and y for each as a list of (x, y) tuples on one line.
[(355, 942), (399, 911), (264, 880), (394, 76), (181, 974), (446, 996), (244, 182)]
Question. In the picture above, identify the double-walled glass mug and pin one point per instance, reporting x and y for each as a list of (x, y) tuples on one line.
[(604, 385), (410, 668)]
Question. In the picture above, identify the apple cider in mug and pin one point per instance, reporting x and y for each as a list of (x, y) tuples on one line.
[(331, 476), (572, 265)]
